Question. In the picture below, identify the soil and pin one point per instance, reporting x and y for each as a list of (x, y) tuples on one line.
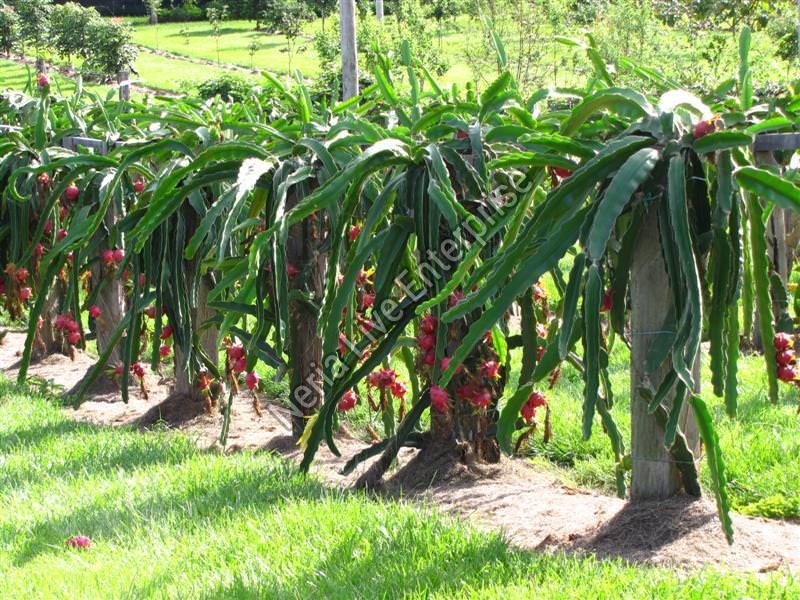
[(533, 509)]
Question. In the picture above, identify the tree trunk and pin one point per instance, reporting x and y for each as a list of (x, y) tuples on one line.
[(207, 339), (153, 14), (49, 340), (304, 343), (655, 474), (349, 50), (379, 10)]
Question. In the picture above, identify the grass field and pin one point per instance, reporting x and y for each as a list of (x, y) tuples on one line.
[(169, 520)]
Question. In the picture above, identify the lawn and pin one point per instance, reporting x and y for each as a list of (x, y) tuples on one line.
[(169, 520), (17, 76)]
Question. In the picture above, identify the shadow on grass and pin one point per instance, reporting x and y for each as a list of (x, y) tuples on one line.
[(187, 489)]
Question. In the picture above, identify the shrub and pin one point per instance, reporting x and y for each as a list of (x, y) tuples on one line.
[(112, 49), (180, 14), (225, 86)]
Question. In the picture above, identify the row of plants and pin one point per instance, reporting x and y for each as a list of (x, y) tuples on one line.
[(338, 242), (69, 31)]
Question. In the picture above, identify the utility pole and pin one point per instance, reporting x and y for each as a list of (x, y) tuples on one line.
[(379, 9), (349, 51)]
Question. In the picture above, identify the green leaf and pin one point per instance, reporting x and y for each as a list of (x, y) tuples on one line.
[(618, 100), (716, 465), (722, 140), (591, 355), (769, 186), (628, 179)]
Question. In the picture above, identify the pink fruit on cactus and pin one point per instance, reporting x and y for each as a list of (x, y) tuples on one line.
[(482, 398), (235, 352), (427, 341), (348, 401), (607, 301), (367, 300), (48, 227), (398, 389), (107, 256), (63, 213), (38, 250), (138, 370), (445, 363), (353, 233), (44, 180), (118, 371), (119, 254), (535, 400), (79, 541), (43, 80), (704, 127), (150, 311), (439, 399), (164, 351), (786, 357), (74, 337), (490, 368), (291, 270), (430, 358), (62, 233), (562, 173), (138, 186), (166, 333), (428, 324), (251, 380), (782, 341), (240, 365), (786, 373), (72, 193), (25, 293), (22, 274), (94, 311), (538, 291)]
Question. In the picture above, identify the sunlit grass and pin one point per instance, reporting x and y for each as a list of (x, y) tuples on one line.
[(169, 520)]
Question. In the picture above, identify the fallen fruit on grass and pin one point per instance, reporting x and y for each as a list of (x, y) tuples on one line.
[(79, 541)]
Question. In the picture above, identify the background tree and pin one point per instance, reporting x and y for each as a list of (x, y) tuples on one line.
[(9, 29)]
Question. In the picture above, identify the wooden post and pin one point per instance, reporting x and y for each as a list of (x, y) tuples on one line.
[(349, 49), (379, 10), (305, 344), (655, 475), (123, 78)]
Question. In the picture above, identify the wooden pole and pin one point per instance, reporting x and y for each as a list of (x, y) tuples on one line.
[(349, 49), (379, 10), (655, 475), (124, 85)]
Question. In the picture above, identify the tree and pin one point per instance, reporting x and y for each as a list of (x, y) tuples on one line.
[(34, 23), (9, 29)]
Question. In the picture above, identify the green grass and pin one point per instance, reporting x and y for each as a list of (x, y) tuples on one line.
[(761, 446), (15, 76), (169, 520)]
